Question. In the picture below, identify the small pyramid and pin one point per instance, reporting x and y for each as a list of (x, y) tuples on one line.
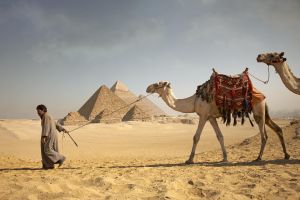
[(102, 99), (108, 116), (74, 118), (119, 86), (136, 114), (149, 107)]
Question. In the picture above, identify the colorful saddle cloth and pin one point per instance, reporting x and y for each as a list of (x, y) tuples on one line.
[(233, 95)]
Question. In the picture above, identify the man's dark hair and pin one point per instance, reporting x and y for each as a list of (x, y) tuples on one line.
[(42, 107)]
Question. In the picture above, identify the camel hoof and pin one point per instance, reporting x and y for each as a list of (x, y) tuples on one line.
[(287, 157), (189, 162), (224, 161), (257, 160)]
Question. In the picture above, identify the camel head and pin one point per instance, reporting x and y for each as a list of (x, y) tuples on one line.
[(160, 88), (271, 58)]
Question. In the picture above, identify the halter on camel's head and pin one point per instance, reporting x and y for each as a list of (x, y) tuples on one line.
[(271, 58)]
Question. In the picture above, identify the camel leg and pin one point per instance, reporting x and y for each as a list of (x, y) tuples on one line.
[(279, 133), (220, 137), (261, 124), (196, 138)]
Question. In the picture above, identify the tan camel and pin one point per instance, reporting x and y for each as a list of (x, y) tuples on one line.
[(209, 111), (282, 68)]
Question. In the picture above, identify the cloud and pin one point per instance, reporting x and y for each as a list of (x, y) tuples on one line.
[(251, 24), (61, 33), (279, 13), (89, 41)]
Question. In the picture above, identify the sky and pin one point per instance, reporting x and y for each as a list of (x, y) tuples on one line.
[(59, 52)]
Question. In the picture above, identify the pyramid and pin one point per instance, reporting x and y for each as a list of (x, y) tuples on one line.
[(102, 103), (149, 107), (102, 99), (136, 114), (122, 91), (109, 116), (74, 118), (119, 86)]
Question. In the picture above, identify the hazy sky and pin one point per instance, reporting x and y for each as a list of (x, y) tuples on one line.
[(58, 52)]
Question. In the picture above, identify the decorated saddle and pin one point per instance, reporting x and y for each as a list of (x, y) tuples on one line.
[(233, 95)]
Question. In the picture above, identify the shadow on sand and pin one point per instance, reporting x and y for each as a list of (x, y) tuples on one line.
[(35, 169), (204, 164), (219, 164)]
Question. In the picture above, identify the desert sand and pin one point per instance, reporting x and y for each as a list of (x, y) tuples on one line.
[(145, 160)]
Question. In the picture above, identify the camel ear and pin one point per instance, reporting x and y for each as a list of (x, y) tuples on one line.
[(214, 71), (281, 54), (169, 85)]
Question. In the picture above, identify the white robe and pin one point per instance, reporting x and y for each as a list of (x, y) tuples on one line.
[(49, 150)]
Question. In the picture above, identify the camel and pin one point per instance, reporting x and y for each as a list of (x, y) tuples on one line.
[(208, 111), (282, 68)]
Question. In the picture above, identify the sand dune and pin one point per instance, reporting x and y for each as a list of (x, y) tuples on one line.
[(145, 161)]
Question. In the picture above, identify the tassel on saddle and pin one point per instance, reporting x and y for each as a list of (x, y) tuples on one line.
[(232, 95), (226, 116), (235, 115)]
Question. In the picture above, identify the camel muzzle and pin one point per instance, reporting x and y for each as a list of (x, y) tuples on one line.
[(258, 59), (149, 89)]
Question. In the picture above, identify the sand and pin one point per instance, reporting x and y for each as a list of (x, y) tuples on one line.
[(144, 160)]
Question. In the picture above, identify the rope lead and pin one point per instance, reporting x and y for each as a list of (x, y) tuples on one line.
[(265, 82)]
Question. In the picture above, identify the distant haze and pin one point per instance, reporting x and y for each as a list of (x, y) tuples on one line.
[(60, 52)]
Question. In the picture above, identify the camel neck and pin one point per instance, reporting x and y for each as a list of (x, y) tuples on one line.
[(288, 78), (186, 105)]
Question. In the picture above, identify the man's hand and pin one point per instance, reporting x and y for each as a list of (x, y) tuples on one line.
[(44, 139), (65, 131)]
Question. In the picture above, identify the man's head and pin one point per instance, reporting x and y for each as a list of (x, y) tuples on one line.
[(41, 110)]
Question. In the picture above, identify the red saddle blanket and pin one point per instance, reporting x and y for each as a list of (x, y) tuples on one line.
[(233, 95), (233, 92)]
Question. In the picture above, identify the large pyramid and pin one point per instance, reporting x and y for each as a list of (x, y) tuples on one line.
[(102, 104), (102, 99), (119, 86), (122, 91)]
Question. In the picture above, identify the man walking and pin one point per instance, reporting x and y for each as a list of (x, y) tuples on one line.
[(49, 141)]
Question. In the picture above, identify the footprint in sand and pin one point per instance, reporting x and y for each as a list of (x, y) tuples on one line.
[(98, 182), (207, 193), (52, 188), (124, 188)]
